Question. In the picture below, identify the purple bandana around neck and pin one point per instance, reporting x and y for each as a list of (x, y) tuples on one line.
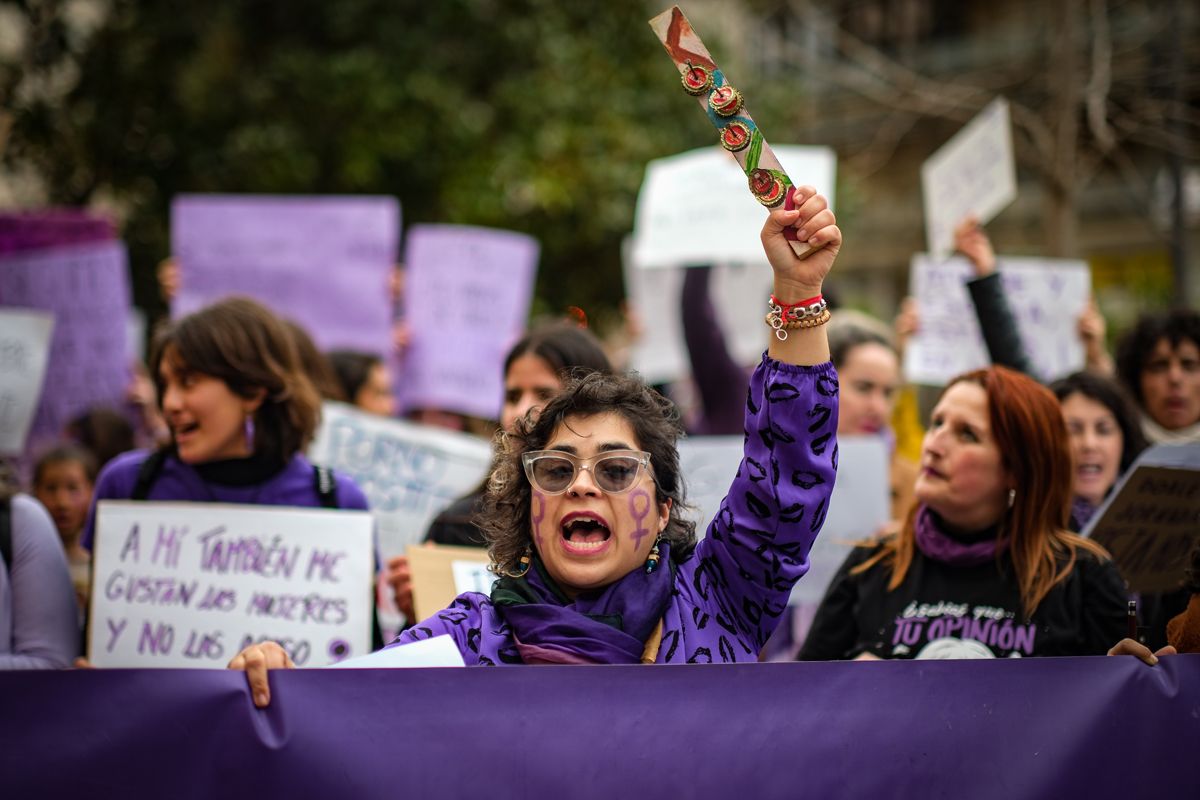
[(1082, 511), (606, 627), (940, 546)]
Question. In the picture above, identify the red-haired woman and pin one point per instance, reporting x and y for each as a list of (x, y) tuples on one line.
[(984, 565)]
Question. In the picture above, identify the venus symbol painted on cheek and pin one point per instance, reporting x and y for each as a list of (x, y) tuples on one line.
[(539, 514), (639, 509)]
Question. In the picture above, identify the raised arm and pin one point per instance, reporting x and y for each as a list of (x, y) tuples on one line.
[(996, 319), (757, 547), (800, 280)]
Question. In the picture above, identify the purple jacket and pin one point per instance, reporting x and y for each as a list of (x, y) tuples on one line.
[(39, 619), (292, 486), (730, 593)]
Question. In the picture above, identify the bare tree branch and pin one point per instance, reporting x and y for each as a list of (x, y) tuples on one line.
[(1096, 92)]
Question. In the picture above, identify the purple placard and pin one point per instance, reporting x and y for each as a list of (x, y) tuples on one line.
[(1004, 728), (466, 297), (87, 289), (52, 228), (324, 262)]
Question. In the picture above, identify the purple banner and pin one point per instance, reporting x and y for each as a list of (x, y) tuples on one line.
[(466, 297), (1068, 727), (87, 289), (52, 228), (324, 262)]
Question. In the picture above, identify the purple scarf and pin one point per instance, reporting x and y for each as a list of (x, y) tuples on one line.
[(941, 546), (605, 626), (1081, 513)]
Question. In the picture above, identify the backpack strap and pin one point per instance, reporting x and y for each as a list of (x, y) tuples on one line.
[(148, 474), (326, 486), (6, 545)]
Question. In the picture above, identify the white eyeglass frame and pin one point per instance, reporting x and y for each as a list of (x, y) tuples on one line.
[(580, 464)]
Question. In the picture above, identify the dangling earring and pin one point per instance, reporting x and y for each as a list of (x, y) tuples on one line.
[(523, 564), (652, 559), (248, 429), (1012, 497)]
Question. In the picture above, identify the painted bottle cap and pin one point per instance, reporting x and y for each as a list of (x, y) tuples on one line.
[(725, 101), (735, 136), (767, 188), (696, 80)]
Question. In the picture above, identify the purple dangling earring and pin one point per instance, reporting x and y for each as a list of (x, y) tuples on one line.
[(248, 429)]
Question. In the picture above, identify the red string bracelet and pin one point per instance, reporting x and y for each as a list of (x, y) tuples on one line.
[(786, 307)]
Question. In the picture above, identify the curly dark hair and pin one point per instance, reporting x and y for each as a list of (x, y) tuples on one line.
[(505, 517), (1109, 394), (1134, 348)]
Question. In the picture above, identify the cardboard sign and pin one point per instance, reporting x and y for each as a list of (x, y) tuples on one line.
[(408, 472), (466, 299), (86, 287), (24, 352), (441, 573), (973, 173), (1046, 297), (693, 208), (191, 584), (860, 504), (323, 262), (1151, 520)]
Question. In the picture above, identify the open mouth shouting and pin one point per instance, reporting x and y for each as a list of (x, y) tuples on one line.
[(585, 533)]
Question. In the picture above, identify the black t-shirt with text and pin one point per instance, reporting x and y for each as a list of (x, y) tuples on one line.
[(960, 609)]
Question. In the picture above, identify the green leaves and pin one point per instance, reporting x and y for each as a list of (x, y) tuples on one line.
[(533, 115)]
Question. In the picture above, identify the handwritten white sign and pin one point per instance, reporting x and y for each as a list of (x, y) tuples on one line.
[(1046, 297), (408, 472), (739, 296), (25, 337), (973, 173), (858, 508), (191, 584), (695, 208)]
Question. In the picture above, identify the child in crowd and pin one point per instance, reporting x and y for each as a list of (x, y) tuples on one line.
[(63, 480)]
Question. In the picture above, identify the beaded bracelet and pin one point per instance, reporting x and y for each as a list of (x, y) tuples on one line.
[(781, 328), (783, 317)]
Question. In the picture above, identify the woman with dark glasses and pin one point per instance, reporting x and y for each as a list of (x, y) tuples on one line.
[(583, 518)]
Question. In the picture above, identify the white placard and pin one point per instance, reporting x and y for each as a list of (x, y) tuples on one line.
[(696, 208), (859, 507), (708, 465), (738, 294), (409, 472), (973, 173), (25, 337), (472, 576), (191, 584), (439, 651), (1046, 296)]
